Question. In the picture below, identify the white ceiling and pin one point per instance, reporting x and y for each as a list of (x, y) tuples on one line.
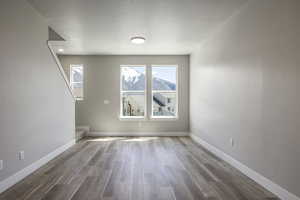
[(106, 26)]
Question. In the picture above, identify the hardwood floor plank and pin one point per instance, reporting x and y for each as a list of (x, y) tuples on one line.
[(137, 191), (60, 192), (92, 188)]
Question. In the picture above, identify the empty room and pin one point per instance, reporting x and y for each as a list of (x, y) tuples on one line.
[(149, 100)]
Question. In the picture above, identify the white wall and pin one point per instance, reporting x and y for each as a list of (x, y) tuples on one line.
[(245, 82), (102, 82), (36, 108)]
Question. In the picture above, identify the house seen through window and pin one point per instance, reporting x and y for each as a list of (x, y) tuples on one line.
[(164, 91)]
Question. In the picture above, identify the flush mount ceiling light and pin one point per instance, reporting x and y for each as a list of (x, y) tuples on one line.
[(138, 40), (61, 50)]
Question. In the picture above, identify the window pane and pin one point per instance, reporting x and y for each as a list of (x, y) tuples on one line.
[(164, 78), (133, 78), (133, 104), (77, 90), (77, 74), (164, 104)]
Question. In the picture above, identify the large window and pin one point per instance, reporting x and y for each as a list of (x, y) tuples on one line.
[(132, 94), (164, 91), (76, 81)]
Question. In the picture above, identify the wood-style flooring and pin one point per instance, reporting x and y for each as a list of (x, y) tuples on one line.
[(137, 168)]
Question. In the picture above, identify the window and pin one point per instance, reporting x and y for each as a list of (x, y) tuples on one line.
[(76, 81), (132, 92), (164, 91)]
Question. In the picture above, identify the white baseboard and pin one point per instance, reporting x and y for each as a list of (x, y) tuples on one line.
[(136, 134), (12, 180), (84, 128), (81, 132), (263, 181)]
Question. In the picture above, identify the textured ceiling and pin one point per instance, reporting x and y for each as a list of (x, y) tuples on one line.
[(106, 26)]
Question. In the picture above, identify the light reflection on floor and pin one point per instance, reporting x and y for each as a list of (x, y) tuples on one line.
[(122, 139)]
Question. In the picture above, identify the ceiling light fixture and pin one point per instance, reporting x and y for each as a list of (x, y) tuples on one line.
[(61, 50), (138, 40)]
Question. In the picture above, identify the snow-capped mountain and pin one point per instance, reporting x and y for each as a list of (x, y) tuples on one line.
[(134, 80), (160, 84), (131, 75)]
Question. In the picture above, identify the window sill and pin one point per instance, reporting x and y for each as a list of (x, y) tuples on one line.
[(164, 118), (132, 118), (150, 118)]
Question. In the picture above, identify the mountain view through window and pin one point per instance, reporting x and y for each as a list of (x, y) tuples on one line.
[(164, 91), (133, 91)]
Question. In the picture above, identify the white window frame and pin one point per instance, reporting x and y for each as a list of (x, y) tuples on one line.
[(71, 80), (165, 91), (133, 91)]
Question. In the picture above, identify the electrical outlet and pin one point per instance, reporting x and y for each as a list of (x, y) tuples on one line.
[(231, 142), (1, 164), (21, 155), (106, 102)]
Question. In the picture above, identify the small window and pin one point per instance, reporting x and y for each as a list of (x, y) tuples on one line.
[(76, 81), (164, 92), (132, 92)]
